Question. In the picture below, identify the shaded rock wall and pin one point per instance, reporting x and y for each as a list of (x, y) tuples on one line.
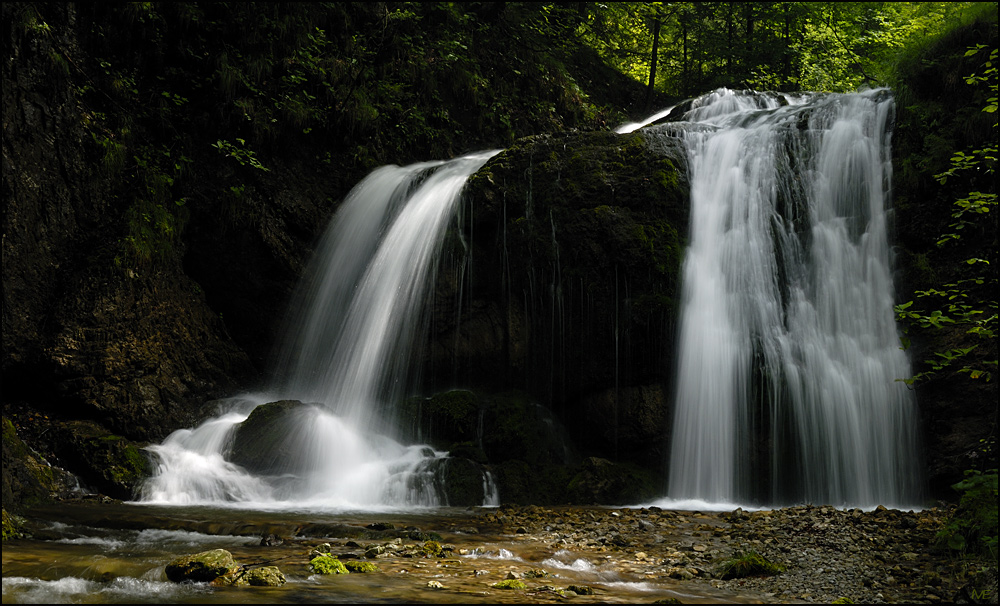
[(561, 280), (85, 336)]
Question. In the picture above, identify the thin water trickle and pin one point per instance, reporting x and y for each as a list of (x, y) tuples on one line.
[(787, 336)]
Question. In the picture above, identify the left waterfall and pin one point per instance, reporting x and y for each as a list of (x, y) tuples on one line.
[(346, 352)]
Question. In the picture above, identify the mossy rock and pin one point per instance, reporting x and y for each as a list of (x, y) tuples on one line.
[(11, 526), (432, 549), (110, 463), (360, 566), (26, 480), (263, 576), (268, 438), (202, 567), (520, 428), (327, 565), (509, 584)]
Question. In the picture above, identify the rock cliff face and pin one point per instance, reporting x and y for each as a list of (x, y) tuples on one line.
[(561, 281), (89, 333), (134, 348)]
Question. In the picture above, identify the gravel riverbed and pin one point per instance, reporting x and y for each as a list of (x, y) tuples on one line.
[(544, 554), (879, 556)]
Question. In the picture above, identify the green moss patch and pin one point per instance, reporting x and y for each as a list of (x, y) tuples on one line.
[(748, 564), (327, 565)]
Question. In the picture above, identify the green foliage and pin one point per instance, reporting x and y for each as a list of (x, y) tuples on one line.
[(245, 157), (834, 46), (970, 302), (973, 527), (325, 564), (747, 564)]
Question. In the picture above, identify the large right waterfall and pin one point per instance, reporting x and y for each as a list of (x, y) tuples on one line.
[(788, 384)]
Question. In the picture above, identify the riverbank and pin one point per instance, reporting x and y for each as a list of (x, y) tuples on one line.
[(621, 555)]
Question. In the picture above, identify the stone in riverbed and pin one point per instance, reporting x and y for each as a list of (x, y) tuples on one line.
[(201, 567), (263, 576)]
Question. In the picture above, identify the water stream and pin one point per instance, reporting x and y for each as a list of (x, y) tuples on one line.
[(789, 361), (347, 354)]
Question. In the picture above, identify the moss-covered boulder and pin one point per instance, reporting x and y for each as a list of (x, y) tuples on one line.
[(358, 566), (633, 420), (26, 479), (262, 576), (11, 526), (268, 439), (326, 564), (202, 567), (110, 463)]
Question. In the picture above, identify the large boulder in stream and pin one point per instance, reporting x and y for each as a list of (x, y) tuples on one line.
[(202, 567), (267, 440)]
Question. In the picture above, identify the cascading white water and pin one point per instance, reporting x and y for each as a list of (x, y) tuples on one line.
[(788, 354), (354, 319), (362, 307)]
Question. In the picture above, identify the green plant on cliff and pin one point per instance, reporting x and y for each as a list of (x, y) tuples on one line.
[(969, 302), (973, 527)]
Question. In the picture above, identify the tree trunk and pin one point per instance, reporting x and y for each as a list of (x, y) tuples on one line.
[(652, 63)]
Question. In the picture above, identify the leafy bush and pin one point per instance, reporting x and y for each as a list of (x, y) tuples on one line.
[(973, 526)]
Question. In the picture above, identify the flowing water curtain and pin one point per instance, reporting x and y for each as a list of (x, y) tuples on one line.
[(788, 353), (347, 355), (352, 353)]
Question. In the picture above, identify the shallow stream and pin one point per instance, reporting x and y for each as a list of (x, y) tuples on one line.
[(116, 553)]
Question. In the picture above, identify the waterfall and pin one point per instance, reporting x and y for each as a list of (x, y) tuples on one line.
[(350, 329), (789, 361)]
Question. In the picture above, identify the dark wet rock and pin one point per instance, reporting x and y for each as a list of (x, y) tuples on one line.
[(110, 463), (27, 480), (268, 440), (271, 540), (560, 228), (463, 482), (468, 450), (634, 418), (606, 483), (444, 418), (261, 576), (201, 567)]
